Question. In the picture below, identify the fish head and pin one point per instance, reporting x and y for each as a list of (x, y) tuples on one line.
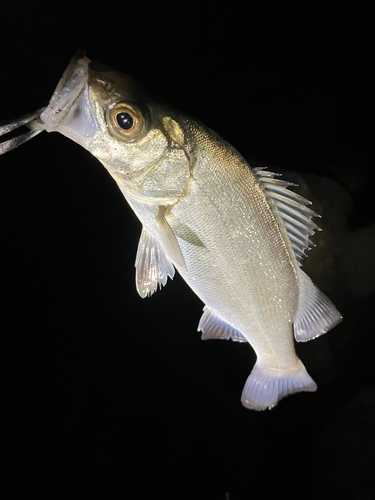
[(139, 141)]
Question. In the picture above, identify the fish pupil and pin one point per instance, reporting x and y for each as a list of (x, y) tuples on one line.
[(125, 121)]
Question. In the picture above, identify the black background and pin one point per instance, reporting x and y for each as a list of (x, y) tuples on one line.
[(106, 395)]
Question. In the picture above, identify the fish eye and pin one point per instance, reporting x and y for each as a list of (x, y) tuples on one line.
[(125, 121)]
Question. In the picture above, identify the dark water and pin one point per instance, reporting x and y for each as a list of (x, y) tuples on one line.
[(105, 395)]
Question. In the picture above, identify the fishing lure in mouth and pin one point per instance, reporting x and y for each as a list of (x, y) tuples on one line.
[(236, 234)]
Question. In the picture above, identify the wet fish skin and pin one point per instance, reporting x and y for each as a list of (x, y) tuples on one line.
[(235, 234)]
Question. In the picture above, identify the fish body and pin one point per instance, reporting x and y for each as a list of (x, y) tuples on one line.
[(236, 234)]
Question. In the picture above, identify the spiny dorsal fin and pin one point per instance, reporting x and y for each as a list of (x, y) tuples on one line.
[(152, 265), (292, 208)]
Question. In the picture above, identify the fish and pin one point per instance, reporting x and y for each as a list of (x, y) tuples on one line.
[(235, 233)]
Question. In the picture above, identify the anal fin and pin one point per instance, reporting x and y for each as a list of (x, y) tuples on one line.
[(152, 265), (316, 314), (213, 327)]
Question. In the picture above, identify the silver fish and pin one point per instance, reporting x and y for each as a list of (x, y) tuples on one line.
[(236, 234)]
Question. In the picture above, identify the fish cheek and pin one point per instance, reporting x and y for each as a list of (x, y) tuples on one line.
[(133, 159), (169, 176)]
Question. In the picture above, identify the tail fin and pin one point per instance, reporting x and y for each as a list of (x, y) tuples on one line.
[(266, 386)]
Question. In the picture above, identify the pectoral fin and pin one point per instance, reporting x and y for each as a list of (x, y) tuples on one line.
[(152, 266), (183, 231), (169, 241)]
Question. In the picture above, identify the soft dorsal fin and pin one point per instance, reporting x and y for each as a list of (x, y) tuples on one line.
[(316, 314), (292, 208), (152, 265), (213, 327)]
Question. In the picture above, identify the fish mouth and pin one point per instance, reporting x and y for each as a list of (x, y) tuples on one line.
[(69, 110), (68, 89)]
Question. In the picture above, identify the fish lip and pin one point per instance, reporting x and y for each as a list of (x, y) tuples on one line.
[(69, 88)]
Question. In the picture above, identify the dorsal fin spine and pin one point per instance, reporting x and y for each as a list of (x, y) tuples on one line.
[(305, 223), (292, 208)]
